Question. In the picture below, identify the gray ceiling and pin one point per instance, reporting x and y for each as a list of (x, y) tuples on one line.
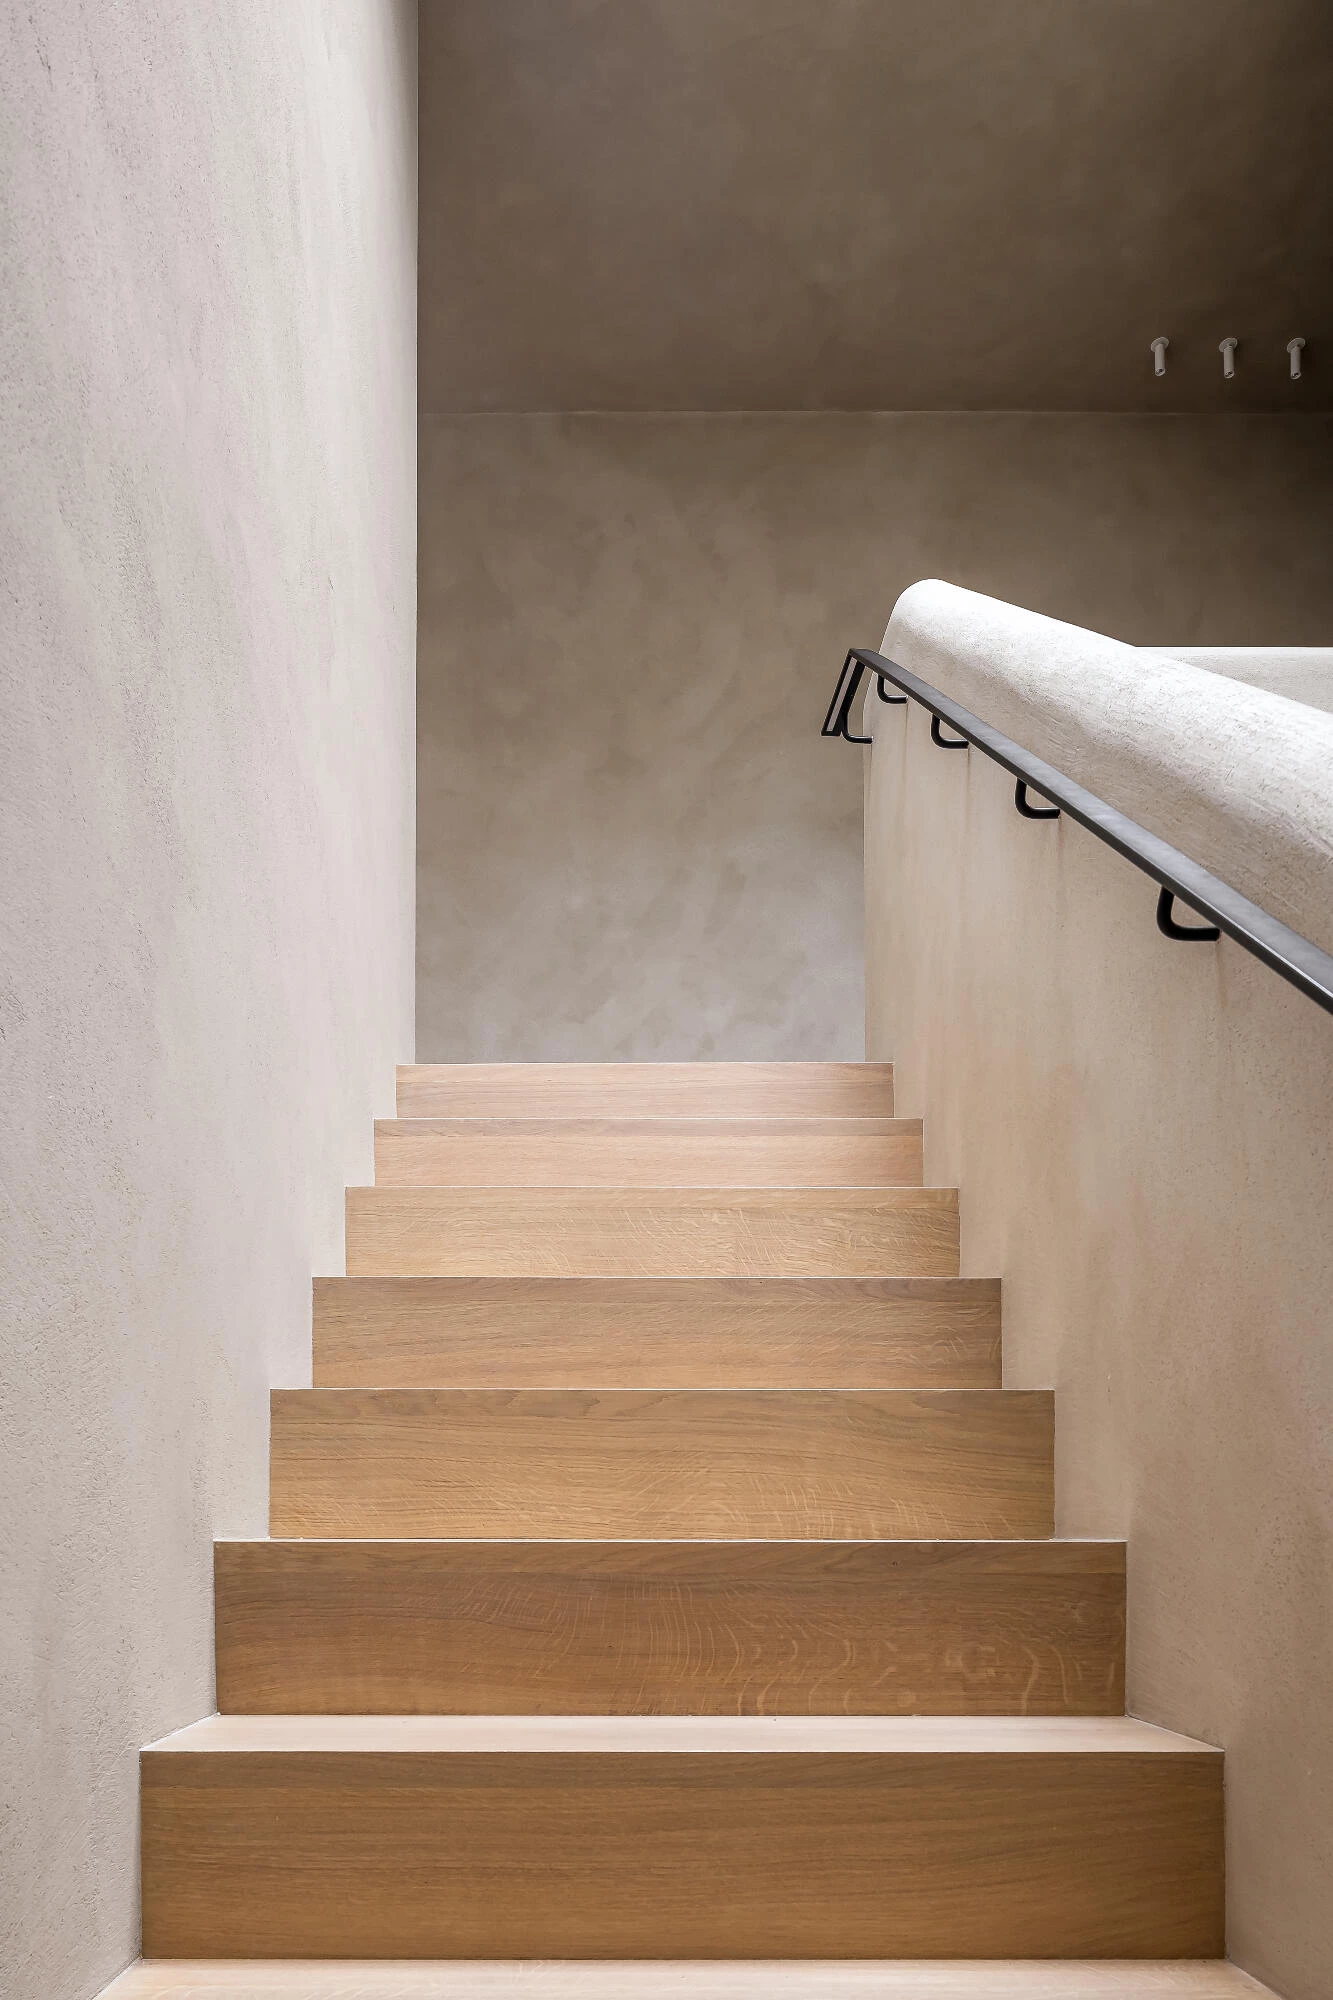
[(891, 204)]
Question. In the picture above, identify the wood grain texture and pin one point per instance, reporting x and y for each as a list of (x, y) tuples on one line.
[(871, 1839), (646, 1090), (644, 1333), (741, 1628), (648, 1232), (694, 1464), (648, 1152), (707, 1979)]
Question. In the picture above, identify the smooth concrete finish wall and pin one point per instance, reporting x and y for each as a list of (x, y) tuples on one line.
[(874, 204), (1140, 1133), (633, 843), (207, 320)]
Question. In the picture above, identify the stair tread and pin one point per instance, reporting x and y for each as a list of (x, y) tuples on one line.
[(694, 1463), (710, 1231), (1021, 1552), (663, 1287), (420, 1332), (670, 1627), (709, 1979), (557, 1195), (703, 1067), (680, 1837), (755, 1088), (658, 1150), (706, 1735), (661, 1124), (654, 1397)]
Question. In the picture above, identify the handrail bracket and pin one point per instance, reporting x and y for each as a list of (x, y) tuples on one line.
[(1193, 933), (1304, 964), (1032, 812)]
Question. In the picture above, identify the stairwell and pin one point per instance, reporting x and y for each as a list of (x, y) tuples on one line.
[(660, 1572)]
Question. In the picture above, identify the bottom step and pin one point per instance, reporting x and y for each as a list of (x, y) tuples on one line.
[(609, 1979), (671, 1837)]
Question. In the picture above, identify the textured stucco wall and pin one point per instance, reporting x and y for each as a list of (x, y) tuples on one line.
[(1139, 1130), (632, 841), (1301, 673), (874, 204), (207, 294)]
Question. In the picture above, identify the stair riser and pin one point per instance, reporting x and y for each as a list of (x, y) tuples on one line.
[(641, 1333), (681, 1856), (418, 1464), (646, 1090), (908, 1232), (421, 1153), (662, 1629)]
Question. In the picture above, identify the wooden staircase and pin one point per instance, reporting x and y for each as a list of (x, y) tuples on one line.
[(660, 1572)]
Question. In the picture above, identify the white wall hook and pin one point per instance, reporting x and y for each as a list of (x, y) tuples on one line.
[(1294, 350), (1227, 349), (1157, 348)]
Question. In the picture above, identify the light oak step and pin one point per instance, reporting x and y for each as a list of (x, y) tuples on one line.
[(680, 1837), (648, 1152), (697, 1464), (675, 1628), (649, 1232), (701, 1979), (646, 1090), (638, 1333)]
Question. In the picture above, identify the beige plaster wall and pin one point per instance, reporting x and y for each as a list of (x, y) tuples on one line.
[(633, 843), (1302, 673), (207, 298), (1140, 1133), (874, 204)]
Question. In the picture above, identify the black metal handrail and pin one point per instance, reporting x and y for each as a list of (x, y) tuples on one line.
[(1282, 949)]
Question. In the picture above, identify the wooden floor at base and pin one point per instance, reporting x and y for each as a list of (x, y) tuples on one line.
[(805, 1979)]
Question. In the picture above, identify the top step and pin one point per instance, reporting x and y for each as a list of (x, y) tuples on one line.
[(646, 1090)]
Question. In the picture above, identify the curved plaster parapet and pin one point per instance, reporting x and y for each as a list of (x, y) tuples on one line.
[(1238, 778), (1301, 673)]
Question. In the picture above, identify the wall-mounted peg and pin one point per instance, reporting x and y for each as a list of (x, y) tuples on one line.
[(1157, 348), (1294, 350), (1227, 349)]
